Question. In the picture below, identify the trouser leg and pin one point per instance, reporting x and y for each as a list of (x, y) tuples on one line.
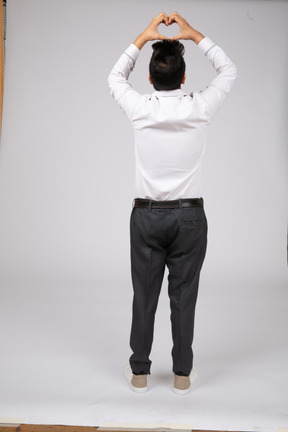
[(184, 260), (147, 269)]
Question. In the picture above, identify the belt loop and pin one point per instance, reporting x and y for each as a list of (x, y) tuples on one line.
[(150, 205), (180, 203)]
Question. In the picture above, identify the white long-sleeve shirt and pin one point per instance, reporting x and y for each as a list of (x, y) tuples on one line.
[(170, 127)]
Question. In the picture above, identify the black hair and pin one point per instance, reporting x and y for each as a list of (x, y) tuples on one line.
[(167, 65)]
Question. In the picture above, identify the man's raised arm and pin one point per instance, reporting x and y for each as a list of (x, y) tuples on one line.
[(120, 88), (219, 88)]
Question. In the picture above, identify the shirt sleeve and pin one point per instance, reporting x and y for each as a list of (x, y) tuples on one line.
[(219, 88), (121, 89)]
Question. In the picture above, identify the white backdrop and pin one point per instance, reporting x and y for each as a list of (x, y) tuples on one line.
[(67, 153)]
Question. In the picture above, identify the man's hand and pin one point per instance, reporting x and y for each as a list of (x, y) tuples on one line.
[(152, 33), (186, 32)]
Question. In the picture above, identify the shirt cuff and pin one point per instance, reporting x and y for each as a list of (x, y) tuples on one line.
[(133, 52), (206, 45)]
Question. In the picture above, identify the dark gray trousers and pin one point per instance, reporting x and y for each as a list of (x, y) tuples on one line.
[(176, 238)]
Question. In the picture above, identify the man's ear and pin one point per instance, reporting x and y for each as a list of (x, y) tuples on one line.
[(149, 77), (183, 79)]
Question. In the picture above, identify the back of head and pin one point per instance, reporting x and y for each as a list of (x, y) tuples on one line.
[(167, 65)]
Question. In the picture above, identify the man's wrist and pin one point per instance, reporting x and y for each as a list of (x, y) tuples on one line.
[(196, 36), (140, 41)]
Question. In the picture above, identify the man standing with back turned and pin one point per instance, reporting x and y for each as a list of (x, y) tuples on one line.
[(168, 225)]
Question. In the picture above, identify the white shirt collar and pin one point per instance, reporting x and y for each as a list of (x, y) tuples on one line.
[(169, 93)]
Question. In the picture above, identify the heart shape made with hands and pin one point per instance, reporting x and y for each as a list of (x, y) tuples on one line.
[(169, 24), (169, 32)]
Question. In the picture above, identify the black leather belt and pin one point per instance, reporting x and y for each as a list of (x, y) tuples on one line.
[(182, 203)]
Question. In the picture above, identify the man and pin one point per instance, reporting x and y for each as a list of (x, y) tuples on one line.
[(168, 224)]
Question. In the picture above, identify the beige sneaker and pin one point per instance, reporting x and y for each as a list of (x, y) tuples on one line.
[(138, 383), (182, 384)]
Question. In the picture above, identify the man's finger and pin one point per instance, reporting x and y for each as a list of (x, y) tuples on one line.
[(162, 37), (177, 37), (174, 17), (161, 18)]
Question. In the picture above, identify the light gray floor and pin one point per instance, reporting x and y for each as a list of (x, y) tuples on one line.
[(63, 349)]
